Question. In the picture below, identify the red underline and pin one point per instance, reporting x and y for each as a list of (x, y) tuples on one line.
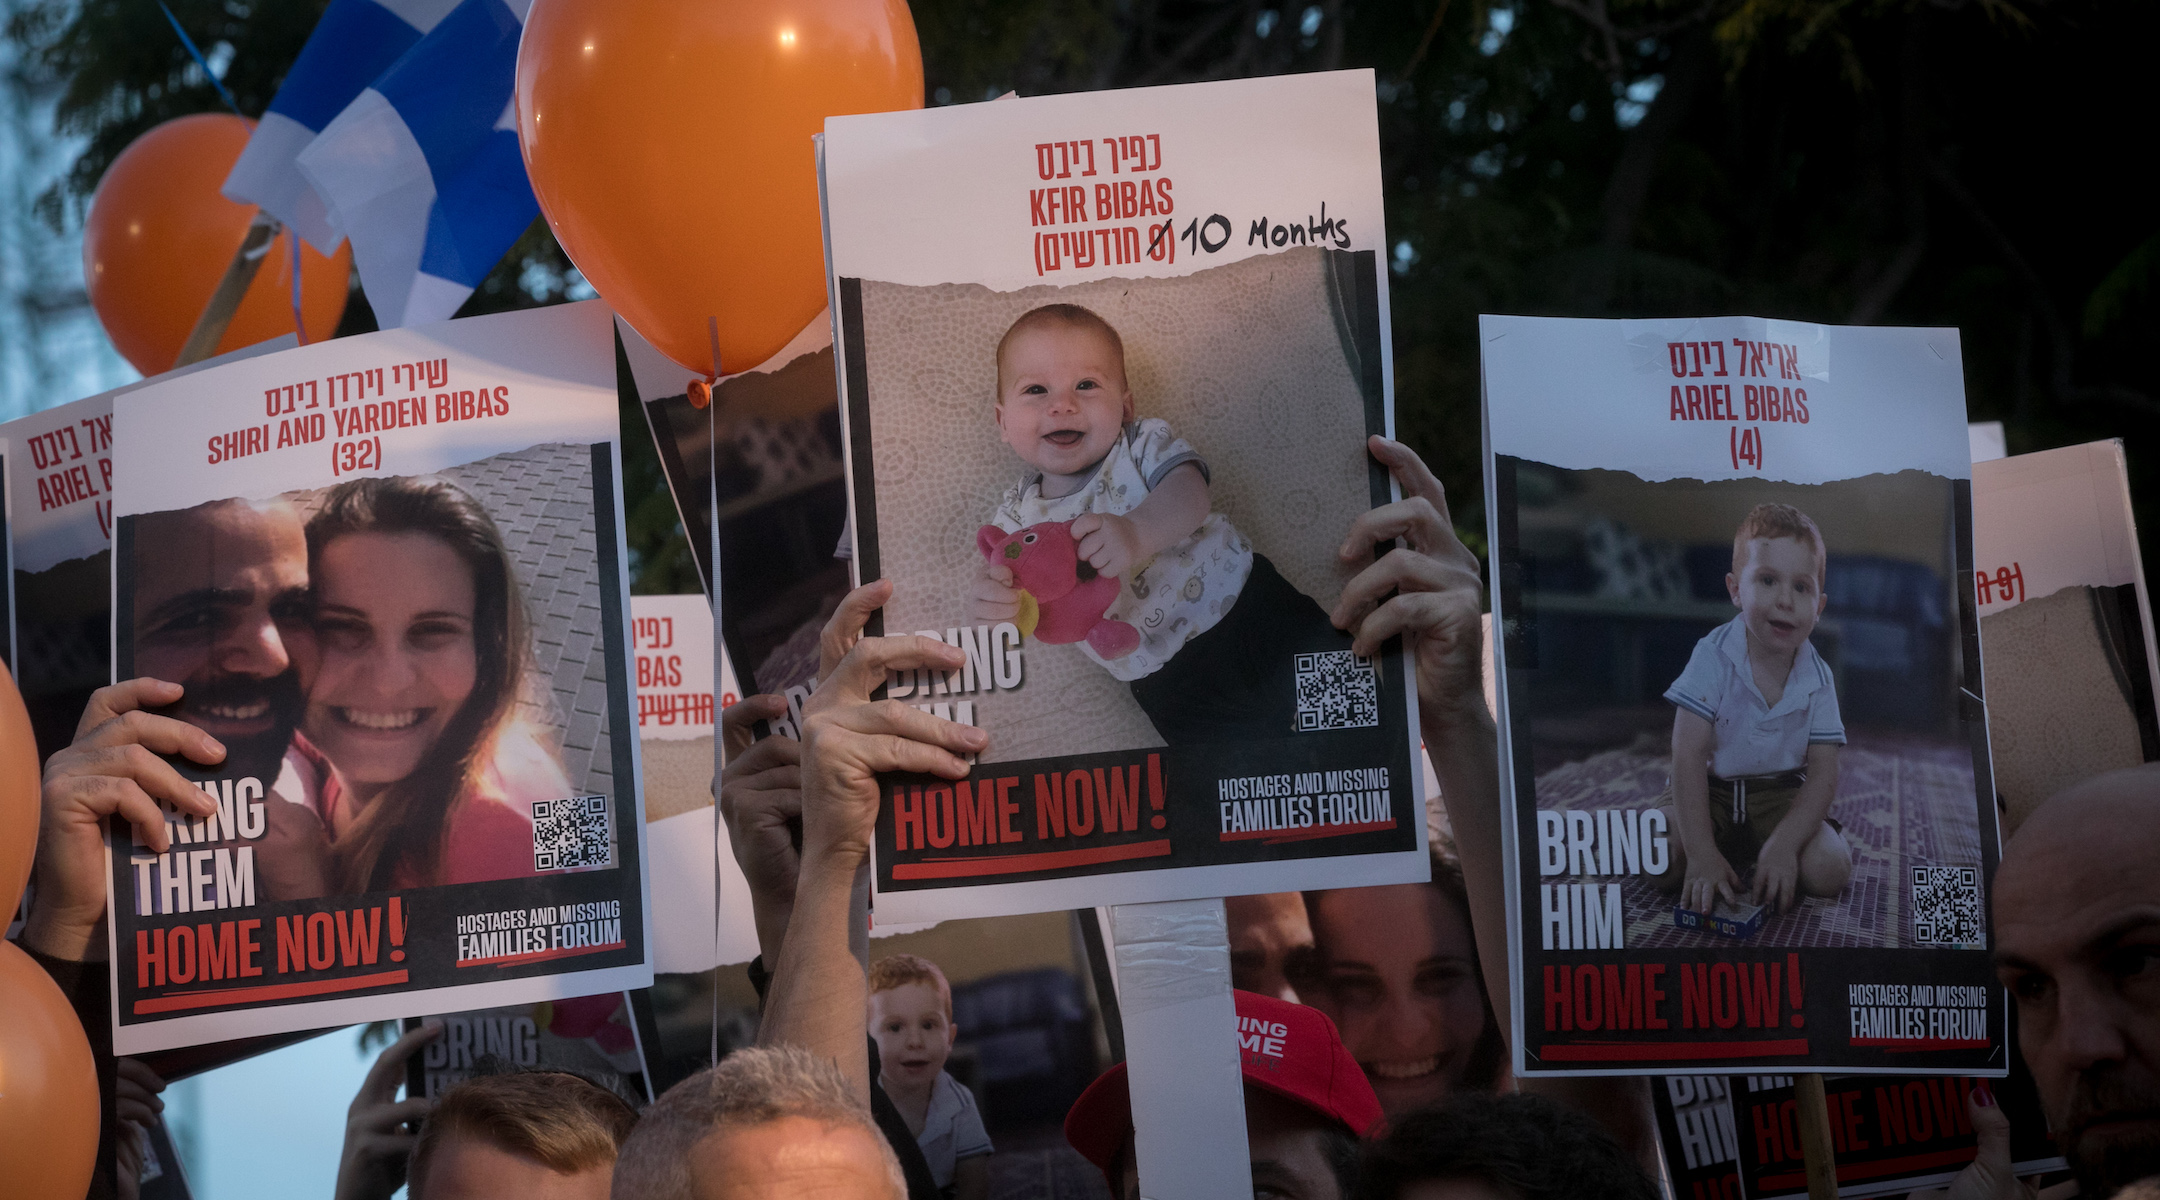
[(1889, 1166), (538, 955), (1013, 864), (267, 991), (1272, 836), (1675, 1051)]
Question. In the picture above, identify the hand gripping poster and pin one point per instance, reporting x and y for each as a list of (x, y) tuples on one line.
[(387, 570), (1752, 820), (1108, 366), (2066, 625)]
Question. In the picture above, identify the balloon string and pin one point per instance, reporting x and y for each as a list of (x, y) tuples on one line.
[(200, 61), (299, 325)]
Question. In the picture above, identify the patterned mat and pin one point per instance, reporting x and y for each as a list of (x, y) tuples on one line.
[(1903, 803)]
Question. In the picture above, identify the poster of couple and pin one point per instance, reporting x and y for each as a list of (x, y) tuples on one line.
[(386, 571)]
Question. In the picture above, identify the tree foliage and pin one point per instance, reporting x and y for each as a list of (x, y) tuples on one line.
[(1937, 162)]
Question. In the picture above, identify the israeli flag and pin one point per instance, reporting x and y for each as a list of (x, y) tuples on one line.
[(422, 169), (355, 41)]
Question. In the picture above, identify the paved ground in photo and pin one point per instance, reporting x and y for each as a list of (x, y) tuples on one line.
[(541, 498)]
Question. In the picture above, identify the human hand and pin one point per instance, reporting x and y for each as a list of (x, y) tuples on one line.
[(1777, 875), (111, 767), (1709, 878), (761, 801), (1109, 543), (1438, 591), (849, 738), (1989, 1176), (376, 1143), (136, 1103), (845, 626), (991, 596)]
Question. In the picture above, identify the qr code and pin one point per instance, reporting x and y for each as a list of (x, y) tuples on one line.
[(1946, 907), (1336, 690), (572, 833)]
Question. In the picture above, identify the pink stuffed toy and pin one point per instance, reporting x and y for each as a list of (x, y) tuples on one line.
[(1061, 597)]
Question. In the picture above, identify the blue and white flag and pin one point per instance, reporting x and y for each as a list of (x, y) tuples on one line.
[(422, 169), (355, 41)]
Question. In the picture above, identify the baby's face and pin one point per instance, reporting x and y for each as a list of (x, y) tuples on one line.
[(1062, 397), (1779, 591), (913, 1035)]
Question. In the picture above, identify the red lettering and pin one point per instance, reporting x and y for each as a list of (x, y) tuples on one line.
[(1050, 806)]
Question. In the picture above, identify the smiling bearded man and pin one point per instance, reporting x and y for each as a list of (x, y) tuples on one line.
[(220, 606), (2077, 929)]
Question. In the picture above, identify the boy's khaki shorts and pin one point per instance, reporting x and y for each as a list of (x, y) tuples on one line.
[(1741, 843)]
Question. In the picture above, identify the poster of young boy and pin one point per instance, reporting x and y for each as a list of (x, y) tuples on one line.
[(1108, 366), (2066, 627), (1739, 697), (387, 569), (60, 502)]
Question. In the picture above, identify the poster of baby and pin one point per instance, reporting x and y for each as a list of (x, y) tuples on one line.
[(1108, 364), (386, 572), (1741, 712)]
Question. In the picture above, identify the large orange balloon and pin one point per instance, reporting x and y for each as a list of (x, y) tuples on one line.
[(48, 1086), (19, 797), (668, 142), (159, 238)]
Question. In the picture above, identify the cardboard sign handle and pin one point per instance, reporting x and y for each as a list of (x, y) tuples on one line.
[(1816, 1150)]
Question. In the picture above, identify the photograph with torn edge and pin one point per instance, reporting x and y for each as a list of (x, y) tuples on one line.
[(1752, 813)]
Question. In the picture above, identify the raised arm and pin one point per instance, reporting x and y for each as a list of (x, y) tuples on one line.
[(819, 991), (1429, 589)]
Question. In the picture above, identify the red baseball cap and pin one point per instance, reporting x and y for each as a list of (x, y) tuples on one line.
[(1288, 1049)]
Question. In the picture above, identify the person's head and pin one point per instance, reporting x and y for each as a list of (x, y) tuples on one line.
[(1399, 974), (1062, 396), (1778, 560), (768, 1122), (1271, 944), (1517, 1146), (420, 641), (221, 608), (1306, 1106), (533, 1135), (2077, 944), (911, 1018)]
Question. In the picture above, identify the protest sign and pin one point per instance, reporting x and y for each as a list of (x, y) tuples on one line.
[(1892, 1133), (1751, 814), (60, 532), (599, 1037), (767, 448), (2066, 627), (1137, 551), (1695, 1131), (388, 569), (673, 639)]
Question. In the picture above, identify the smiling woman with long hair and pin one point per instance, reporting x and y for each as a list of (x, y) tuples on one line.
[(420, 650)]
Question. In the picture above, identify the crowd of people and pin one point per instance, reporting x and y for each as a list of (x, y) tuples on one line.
[(1392, 1081)]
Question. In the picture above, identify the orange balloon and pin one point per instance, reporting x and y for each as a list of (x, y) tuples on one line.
[(159, 238), (668, 142), (19, 797), (48, 1086)]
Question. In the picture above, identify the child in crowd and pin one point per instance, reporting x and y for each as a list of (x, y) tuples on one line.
[(1218, 628), (911, 1018), (1756, 732)]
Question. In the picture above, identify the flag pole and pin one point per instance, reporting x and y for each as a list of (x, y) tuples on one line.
[(231, 289)]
